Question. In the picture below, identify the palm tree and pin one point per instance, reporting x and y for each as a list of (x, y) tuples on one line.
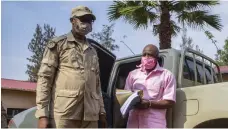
[(160, 14)]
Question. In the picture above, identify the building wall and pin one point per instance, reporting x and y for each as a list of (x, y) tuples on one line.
[(18, 99), (225, 77)]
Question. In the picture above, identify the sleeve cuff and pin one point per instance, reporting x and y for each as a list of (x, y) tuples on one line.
[(41, 113), (102, 110), (171, 99)]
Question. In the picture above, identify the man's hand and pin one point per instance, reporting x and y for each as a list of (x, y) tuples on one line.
[(144, 104), (103, 121), (43, 122)]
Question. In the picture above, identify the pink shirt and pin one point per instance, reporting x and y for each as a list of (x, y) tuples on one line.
[(160, 84)]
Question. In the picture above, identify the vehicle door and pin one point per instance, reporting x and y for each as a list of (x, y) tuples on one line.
[(106, 62)]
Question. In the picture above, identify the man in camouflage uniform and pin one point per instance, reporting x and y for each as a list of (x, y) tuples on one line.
[(68, 87)]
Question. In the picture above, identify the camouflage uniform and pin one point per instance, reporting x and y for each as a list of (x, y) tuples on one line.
[(68, 87)]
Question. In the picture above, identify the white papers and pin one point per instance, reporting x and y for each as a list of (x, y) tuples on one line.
[(130, 103)]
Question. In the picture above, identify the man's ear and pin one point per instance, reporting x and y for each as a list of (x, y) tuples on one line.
[(73, 20)]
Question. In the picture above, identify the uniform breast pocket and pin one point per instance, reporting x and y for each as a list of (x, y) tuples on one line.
[(76, 59), (154, 90)]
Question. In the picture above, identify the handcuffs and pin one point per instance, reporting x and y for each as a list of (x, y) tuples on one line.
[(150, 103)]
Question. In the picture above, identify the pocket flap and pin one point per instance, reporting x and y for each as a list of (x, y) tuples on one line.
[(50, 62), (71, 45), (95, 95), (67, 93)]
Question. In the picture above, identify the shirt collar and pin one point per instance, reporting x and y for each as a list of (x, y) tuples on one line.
[(70, 37)]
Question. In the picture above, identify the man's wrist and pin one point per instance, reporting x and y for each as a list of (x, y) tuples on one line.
[(150, 103), (102, 116)]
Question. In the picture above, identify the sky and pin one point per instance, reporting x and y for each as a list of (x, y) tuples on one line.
[(19, 20)]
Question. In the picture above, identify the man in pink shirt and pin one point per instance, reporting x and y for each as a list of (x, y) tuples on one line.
[(159, 89)]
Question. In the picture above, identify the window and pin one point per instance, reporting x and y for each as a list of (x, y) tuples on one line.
[(191, 70), (215, 77), (208, 75), (188, 71), (11, 112), (200, 76)]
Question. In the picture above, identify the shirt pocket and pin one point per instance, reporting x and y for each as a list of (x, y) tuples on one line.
[(154, 89), (75, 58), (95, 103), (65, 101)]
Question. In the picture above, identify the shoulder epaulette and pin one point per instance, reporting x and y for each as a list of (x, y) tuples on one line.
[(55, 40), (59, 38)]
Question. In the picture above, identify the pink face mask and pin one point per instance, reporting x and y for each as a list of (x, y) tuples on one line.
[(148, 62)]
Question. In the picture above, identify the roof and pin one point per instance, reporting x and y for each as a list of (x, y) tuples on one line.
[(18, 85), (223, 69)]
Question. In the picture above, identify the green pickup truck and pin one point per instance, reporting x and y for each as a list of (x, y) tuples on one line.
[(202, 97)]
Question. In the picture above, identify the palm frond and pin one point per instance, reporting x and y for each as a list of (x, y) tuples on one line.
[(199, 19), (135, 13), (175, 28), (114, 10), (179, 6), (196, 5)]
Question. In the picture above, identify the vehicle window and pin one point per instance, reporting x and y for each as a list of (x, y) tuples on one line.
[(200, 75), (208, 75), (215, 77), (186, 72), (190, 65)]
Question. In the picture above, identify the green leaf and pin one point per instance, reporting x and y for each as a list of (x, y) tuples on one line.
[(179, 6), (135, 13), (200, 19)]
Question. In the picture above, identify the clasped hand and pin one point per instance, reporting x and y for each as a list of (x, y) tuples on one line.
[(143, 104)]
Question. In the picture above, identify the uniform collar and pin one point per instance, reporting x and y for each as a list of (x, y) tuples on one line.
[(158, 68), (70, 37)]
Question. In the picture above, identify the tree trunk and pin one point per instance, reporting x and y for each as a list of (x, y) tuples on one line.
[(165, 27)]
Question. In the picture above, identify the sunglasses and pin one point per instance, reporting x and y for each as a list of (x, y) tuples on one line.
[(85, 19)]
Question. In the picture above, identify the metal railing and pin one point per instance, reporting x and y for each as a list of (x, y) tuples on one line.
[(204, 57)]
